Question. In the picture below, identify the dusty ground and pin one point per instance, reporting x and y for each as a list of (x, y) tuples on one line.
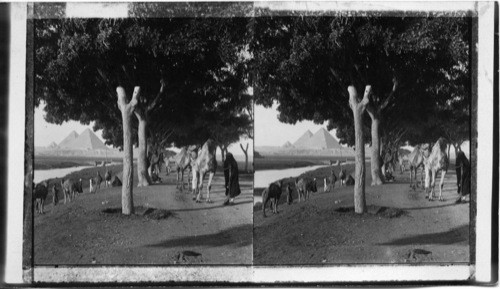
[(325, 229), (168, 228)]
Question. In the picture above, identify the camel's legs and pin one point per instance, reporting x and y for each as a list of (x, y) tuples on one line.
[(441, 183), (209, 186), (199, 186), (178, 172), (433, 183), (194, 184), (411, 177), (298, 193)]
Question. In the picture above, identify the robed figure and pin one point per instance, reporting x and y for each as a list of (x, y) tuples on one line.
[(231, 179)]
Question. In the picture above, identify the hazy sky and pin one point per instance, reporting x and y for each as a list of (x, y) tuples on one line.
[(269, 131), (46, 133)]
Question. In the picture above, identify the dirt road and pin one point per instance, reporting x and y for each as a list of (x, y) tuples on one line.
[(168, 228), (402, 227)]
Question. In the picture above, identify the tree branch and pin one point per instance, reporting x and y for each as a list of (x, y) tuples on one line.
[(366, 98), (158, 96), (391, 94), (133, 102)]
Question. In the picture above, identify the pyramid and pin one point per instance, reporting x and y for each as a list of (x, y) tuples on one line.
[(70, 138), (322, 139), (302, 141), (52, 145), (87, 140), (287, 145)]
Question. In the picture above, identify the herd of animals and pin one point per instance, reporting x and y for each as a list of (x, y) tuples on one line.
[(202, 161), (199, 161), (432, 161), (70, 188)]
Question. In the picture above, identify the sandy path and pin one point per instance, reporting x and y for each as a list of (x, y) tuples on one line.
[(80, 233), (314, 233)]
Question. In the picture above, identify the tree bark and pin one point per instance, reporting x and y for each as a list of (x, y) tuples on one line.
[(375, 149), (127, 109), (144, 179), (358, 109), (245, 151)]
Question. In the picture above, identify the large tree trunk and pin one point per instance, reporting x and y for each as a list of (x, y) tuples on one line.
[(142, 160), (245, 151), (358, 109), (375, 150), (127, 109)]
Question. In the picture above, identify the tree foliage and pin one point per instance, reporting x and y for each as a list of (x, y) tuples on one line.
[(307, 63), (80, 62)]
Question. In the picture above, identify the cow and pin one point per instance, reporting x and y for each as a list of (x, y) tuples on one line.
[(304, 187), (70, 188), (342, 177), (273, 193), (40, 194), (107, 178)]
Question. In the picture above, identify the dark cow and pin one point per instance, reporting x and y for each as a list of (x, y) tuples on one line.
[(305, 187), (116, 182), (40, 194), (273, 193), (350, 181), (70, 188)]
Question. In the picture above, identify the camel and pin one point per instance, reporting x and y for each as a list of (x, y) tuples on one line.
[(415, 161), (403, 161), (182, 162), (436, 162), (204, 163)]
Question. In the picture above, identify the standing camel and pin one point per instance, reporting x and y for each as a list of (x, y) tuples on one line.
[(182, 162), (204, 163), (415, 161), (435, 163)]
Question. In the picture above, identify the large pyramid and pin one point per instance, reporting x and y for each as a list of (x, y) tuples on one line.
[(70, 138), (87, 140), (322, 139), (302, 141)]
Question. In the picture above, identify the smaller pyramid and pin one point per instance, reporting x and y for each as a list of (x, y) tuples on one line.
[(70, 138), (302, 141), (52, 145), (287, 145)]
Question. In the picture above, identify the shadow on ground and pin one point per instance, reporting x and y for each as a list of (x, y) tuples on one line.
[(239, 236), (457, 235)]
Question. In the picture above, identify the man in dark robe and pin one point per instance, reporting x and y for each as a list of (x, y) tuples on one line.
[(231, 179), (464, 179)]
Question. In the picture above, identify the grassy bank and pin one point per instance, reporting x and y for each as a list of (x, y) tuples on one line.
[(86, 174), (288, 162), (59, 162), (319, 174)]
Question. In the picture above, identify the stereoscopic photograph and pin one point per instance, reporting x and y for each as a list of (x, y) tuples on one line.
[(255, 142), (362, 138), (143, 134)]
